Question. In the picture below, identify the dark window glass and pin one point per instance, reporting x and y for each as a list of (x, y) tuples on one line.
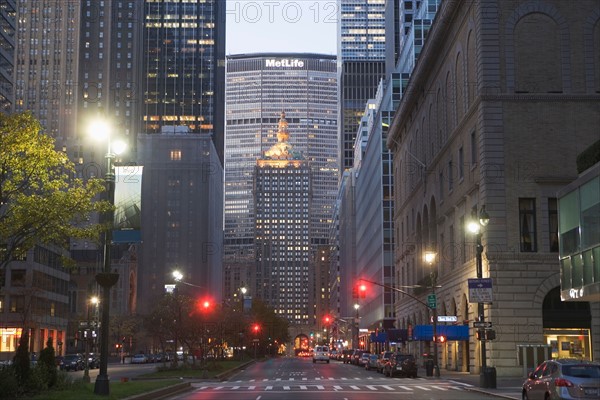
[(553, 224), (527, 232)]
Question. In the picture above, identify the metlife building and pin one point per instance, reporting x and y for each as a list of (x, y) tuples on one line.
[(259, 87)]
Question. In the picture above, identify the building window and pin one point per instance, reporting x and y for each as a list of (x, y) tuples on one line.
[(175, 155), (450, 176), (527, 224), (441, 183), (553, 225), (17, 277), (461, 163), (473, 149)]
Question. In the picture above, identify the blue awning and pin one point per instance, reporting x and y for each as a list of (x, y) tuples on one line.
[(452, 332)]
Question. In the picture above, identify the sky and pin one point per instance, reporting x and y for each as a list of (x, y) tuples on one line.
[(291, 26)]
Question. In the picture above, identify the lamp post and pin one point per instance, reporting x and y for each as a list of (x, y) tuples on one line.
[(106, 279), (356, 326), (429, 258), (86, 372), (474, 226)]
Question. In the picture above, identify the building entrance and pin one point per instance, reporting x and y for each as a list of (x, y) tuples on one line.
[(567, 326)]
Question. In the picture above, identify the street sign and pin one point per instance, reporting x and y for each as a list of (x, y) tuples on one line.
[(431, 301), (479, 324), (480, 290), (447, 318)]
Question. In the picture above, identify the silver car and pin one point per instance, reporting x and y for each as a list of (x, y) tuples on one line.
[(563, 379)]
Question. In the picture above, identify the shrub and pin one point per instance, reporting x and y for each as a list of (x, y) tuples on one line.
[(10, 384), (47, 362)]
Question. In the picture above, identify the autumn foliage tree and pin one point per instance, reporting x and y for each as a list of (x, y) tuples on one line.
[(41, 199)]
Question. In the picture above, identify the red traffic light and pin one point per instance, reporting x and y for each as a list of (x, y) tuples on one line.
[(255, 328), (327, 319), (362, 290)]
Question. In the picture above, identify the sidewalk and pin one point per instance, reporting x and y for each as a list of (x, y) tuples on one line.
[(506, 387)]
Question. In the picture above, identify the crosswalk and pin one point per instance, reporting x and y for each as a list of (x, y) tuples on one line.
[(324, 384)]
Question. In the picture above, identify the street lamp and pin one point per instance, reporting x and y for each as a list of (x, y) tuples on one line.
[(429, 258), (356, 326), (106, 279), (486, 378), (86, 372)]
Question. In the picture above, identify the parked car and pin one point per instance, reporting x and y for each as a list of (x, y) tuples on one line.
[(364, 358), (355, 360), (321, 353), (333, 354), (401, 365), (372, 361), (347, 356), (563, 379), (383, 358), (72, 362), (139, 358)]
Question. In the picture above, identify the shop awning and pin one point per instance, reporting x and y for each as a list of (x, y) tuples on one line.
[(452, 332)]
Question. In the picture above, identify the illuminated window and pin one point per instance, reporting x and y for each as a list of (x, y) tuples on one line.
[(175, 155)]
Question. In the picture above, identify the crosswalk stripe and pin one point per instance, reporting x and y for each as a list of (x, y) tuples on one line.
[(251, 387), (219, 387), (371, 387), (277, 380), (439, 387), (235, 387), (286, 388), (405, 387), (338, 388), (269, 388), (355, 387), (424, 388), (292, 379), (302, 387), (344, 379), (320, 387), (387, 387)]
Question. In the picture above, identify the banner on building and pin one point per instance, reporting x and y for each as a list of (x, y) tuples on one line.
[(128, 201)]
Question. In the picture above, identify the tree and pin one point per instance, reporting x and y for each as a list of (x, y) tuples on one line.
[(41, 200)]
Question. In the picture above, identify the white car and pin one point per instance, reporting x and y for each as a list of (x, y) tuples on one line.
[(321, 353), (139, 359)]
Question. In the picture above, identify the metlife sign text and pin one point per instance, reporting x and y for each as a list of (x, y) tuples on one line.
[(284, 63)]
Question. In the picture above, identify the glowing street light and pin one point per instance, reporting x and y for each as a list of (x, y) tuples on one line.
[(106, 279)]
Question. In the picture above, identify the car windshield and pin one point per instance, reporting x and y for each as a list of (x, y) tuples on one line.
[(581, 371)]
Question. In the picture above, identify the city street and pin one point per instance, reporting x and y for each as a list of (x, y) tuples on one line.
[(298, 378)]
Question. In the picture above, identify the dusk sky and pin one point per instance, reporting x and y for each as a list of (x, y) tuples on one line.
[(281, 26)]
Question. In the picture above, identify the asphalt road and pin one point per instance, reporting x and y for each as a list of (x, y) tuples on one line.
[(299, 379), (118, 371)]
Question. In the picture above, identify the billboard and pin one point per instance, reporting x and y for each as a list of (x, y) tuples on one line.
[(128, 201)]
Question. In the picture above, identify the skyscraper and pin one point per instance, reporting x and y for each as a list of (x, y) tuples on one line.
[(8, 22), (181, 145), (259, 87), (282, 197), (184, 67), (46, 56), (361, 58)]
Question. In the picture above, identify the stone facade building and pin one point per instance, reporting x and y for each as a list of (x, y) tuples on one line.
[(502, 99)]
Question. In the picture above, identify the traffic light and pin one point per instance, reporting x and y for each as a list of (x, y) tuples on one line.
[(485, 334), (204, 305), (256, 328), (362, 290), (327, 320)]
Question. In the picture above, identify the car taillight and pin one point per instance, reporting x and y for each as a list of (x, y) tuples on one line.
[(561, 382)]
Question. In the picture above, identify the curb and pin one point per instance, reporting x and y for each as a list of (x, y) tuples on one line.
[(477, 390)]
